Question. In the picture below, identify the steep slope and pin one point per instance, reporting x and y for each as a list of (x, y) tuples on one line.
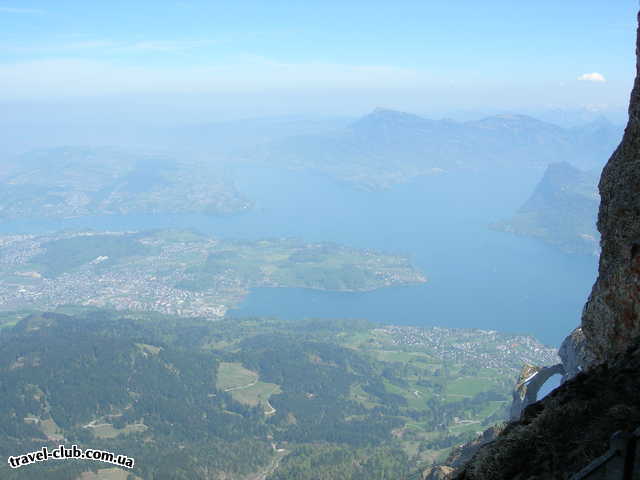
[(572, 426), (611, 316), (561, 211), (387, 147)]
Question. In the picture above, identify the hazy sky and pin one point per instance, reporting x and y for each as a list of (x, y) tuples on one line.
[(202, 58)]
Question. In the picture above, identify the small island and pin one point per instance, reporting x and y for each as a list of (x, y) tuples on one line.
[(179, 272)]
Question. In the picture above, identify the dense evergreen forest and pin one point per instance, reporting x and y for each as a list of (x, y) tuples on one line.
[(191, 398)]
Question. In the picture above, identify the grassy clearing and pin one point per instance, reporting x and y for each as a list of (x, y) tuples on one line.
[(402, 357), (257, 394), (146, 348), (492, 407), (50, 428), (357, 394), (221, 345), (466, 427), (416, 396), (244, 386), (234, 375), (489, 373), (356, 340), (107, 474), (9, 319), (467, 386), (107, 430), (8, 324)]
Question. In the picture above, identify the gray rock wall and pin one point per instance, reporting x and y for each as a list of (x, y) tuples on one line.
[(531, 380), (611, 317), (575, 354)]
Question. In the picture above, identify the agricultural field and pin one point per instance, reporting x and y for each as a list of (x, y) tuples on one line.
[(254, 395)]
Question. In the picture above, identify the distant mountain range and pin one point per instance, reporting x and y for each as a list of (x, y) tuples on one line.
[(375, 152), (388, 147), (226, 139), (561, 211)]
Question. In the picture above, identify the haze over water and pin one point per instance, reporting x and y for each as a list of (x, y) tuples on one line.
[(478, 278)]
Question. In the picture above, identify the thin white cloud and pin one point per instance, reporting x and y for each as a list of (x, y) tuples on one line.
[(59, 49), (32, 11), (69, 77), (106, 47), (164, 45), (592, 77), (88, 44)]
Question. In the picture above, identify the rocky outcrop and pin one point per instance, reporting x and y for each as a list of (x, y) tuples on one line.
[(574, 354), (437, 472), (611, 317), (571, 427), (531, 379), (460, 455), (530, 382)]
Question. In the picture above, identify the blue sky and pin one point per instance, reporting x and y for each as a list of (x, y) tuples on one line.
[(320, 56)]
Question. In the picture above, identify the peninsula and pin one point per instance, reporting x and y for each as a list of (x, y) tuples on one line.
[(179, 272)]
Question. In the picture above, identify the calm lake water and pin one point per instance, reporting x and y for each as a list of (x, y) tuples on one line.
[(478, 278)]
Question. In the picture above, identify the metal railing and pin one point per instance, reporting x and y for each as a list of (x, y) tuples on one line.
[(621, 462)]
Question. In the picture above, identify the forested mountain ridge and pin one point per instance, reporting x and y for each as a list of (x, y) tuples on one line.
[(188, 396), (561, 211), (387, 147)]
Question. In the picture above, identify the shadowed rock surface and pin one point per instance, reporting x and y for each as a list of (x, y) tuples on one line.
[(574, 354), (437, 472), (562, 433), (460, 455), (531, 380), (611, 317)]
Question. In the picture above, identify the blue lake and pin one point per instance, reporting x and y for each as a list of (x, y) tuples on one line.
[(478, 278)]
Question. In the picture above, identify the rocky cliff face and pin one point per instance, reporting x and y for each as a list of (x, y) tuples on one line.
[(574, 354), (460, 455), (559, 435), (611, 318), (561, 211), (569, 428), (531, 380)]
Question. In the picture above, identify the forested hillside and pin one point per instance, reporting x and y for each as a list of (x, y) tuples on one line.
[(293, 400)]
